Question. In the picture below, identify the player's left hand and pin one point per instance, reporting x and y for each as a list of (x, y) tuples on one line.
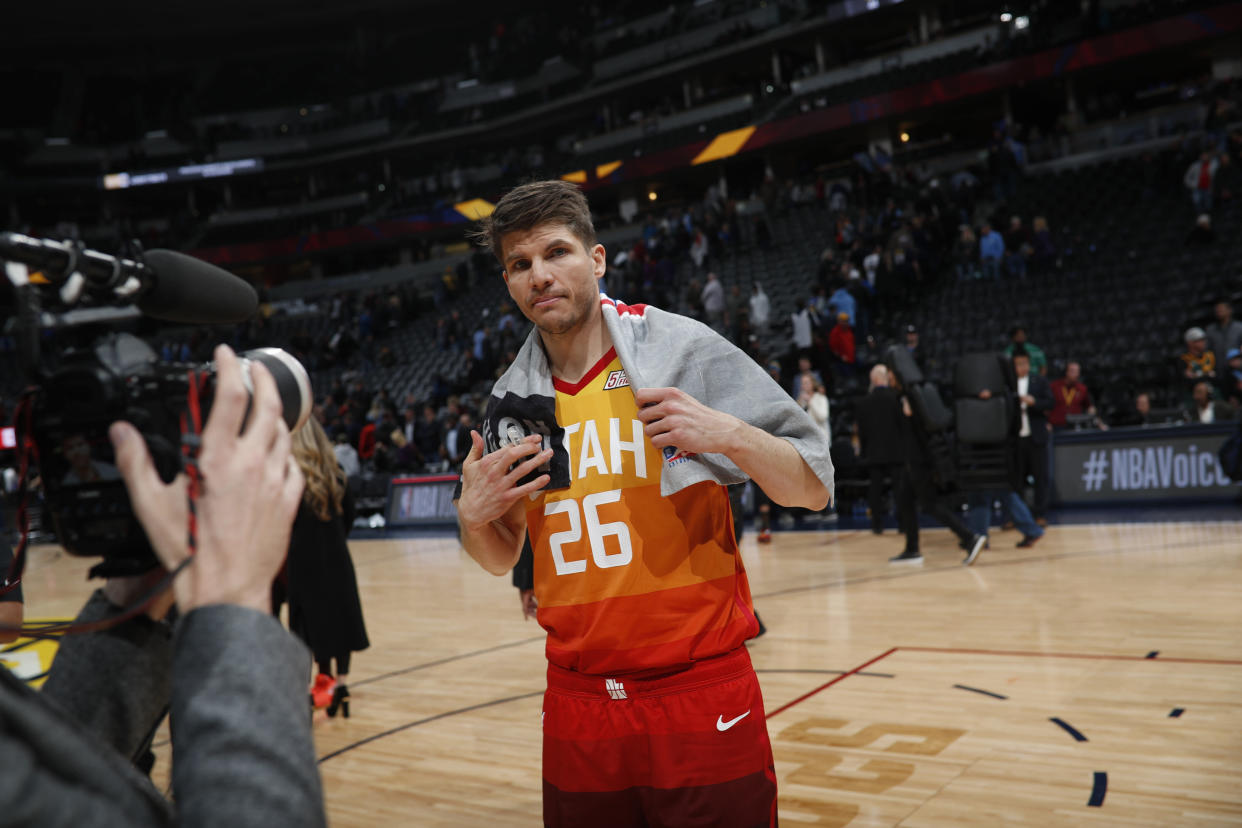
[(671, 417)]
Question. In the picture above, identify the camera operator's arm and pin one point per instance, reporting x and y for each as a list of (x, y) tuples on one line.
[(242, 747), (115, 682)]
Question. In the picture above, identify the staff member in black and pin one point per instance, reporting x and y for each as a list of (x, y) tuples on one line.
[(879, 437), (918, 491), (1035, 398)]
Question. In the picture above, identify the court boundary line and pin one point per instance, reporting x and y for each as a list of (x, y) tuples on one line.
[(828, 684), (426, 720), (446, 660), (1089, 656), (1010, 653)]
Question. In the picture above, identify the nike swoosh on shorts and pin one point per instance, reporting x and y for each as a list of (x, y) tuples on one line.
[(722, 725)]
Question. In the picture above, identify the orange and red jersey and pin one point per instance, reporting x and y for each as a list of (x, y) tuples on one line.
[(629, 581)]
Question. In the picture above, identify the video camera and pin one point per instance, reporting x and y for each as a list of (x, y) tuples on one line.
[(72, 398)]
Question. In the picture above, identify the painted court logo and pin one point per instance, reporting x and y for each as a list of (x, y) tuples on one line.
[(616, 379)]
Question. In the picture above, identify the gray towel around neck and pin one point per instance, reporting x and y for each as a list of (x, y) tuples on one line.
[(658, 349)]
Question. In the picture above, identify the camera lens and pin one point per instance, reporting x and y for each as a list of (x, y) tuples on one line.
[(292, 382)]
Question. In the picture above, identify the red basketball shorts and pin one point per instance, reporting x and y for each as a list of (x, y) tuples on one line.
[(687, 749)]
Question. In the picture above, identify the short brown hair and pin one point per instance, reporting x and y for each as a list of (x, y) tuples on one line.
[(530, 205)]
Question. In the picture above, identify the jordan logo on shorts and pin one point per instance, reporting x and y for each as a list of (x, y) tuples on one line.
[(616, 690)]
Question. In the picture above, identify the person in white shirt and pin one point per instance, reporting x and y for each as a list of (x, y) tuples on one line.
[(347, 456), (871, 265), (713, 300), (1204, 409), (801, 319), (815, 402), (1035, 398), (760, 308)]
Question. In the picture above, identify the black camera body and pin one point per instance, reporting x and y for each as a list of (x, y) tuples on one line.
[(119, 377), (72, 399)]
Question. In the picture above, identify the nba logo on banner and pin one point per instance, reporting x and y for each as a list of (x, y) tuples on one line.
[(616, 379)]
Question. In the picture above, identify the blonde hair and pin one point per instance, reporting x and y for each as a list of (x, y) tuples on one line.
[(325, 479)]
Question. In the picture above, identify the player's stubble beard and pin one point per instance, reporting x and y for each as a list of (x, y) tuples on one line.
[(560, 327)]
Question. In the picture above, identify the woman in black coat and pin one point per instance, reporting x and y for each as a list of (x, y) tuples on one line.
[(324, 608)]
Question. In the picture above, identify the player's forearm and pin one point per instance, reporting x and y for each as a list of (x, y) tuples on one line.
[(777, 468), (494, 545)]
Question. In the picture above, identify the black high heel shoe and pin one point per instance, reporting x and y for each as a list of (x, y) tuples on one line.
[(340, 701)]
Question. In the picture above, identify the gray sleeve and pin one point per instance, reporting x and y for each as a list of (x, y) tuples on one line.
[(241, 726), (114, 682), (734, 383)]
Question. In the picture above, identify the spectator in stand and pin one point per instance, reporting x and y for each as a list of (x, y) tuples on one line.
[(841, 340), (1017, 339), (1043, 248), (814, 402), (1198, 361), (351, 426), (1069, 396), (457, 441), (991, 251), (429, 439), (1229, 383), (367, 442), (880, 440), (1199, 179), (1139, 414), (404, 458), (965, 254), (409, 422), (844, 302), (1203, 409), (713, 299), (1225, 334), (1202, 232), (347, 456), (801, 320), (1017, 248), (912, 345), (760, 308), (804, 371), (699, 249), (871, 265)]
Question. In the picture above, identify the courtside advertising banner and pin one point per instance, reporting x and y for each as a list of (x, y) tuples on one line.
[(1142, 464)]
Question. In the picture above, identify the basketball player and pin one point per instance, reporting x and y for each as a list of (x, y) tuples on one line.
[(609, 439)]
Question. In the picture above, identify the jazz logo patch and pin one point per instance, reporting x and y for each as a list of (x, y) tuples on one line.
[(616, 379), (673, 457)]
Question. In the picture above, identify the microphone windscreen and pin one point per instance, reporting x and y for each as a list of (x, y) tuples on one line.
[(190, 290)]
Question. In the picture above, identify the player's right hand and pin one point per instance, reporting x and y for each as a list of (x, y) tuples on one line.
[(488, 486)]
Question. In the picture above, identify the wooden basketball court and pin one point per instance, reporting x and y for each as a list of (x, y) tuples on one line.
[(1095, 679)]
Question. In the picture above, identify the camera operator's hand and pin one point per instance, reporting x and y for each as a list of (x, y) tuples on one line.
[(123, 591), (251, 488)]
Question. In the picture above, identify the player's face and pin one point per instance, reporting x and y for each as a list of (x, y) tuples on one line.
[(552, 277)]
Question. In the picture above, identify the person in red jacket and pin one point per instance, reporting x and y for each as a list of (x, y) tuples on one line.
[(841, 339), (366, 442), (1069, 396)]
